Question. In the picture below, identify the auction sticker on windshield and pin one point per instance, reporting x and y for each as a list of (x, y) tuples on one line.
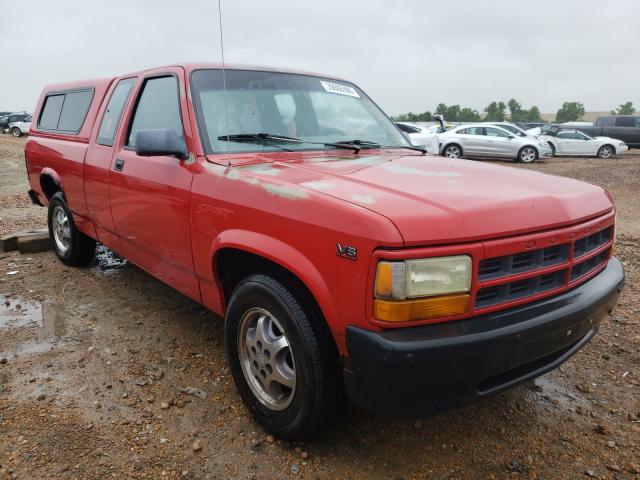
[(339, 88)]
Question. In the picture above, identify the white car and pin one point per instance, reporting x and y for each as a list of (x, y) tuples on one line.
[(18, 129), (573, 142), (483, 140), (420, 136)]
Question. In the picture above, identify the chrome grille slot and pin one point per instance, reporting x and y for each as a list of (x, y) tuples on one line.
[(489, 296), (589, 265), (522, 262), (592, 242)]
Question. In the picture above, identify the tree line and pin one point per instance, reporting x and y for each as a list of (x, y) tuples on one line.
[(500, 111)]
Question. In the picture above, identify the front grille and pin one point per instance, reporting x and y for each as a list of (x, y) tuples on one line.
[(507, 292), (545, 270), (523, 262)]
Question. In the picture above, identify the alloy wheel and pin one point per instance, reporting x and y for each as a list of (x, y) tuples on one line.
[(266, 359), (61, 229), (528, 155), (452, 152)]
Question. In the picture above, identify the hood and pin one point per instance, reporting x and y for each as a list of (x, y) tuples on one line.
[(608, 139), (435, 200)]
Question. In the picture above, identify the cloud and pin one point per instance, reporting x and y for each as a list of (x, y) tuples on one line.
[(408, 55)]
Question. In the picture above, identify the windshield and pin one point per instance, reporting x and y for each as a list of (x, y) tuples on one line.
[(307, 108), (512, 129)]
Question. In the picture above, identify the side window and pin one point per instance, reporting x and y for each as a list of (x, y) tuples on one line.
[(74, 109), (51, 112), (471, 131), (637, 119), (111, 117), (65, 111), (158, 107), (570, 135), (625, 122), (494, 132)]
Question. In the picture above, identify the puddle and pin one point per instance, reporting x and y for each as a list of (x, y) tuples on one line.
[(556, 392), (107, 261), (17, 312)]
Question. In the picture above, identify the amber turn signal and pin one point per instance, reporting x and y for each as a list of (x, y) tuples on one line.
[(421, 308)]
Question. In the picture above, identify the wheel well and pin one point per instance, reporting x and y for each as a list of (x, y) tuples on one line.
[(529, 146), (608, 145), (231, 265), (49, 185), (450, 145)]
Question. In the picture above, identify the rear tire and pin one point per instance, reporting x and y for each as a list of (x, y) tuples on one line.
[(70, 245), (452, 151), (283, 367), (16, 132), (527, 154), (606, 151)]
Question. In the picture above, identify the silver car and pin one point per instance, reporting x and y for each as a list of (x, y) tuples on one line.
[(483, 140)]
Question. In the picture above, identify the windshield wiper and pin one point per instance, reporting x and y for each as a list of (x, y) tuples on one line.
[(271, 138), (368, 144)]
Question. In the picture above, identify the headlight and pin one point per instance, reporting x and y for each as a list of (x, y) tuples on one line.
[(424, 288)]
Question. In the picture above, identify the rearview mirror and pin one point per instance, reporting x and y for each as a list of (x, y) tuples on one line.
[(162, 141)]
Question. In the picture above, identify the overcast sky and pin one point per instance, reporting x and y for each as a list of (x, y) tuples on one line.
[(408, 55)]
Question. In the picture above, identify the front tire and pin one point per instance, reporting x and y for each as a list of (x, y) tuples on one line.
[(606, 151), (16, 132), (527, 154), (70, 245), (284, 370)]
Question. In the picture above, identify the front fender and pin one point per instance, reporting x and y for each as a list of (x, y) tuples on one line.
[(283, 254)]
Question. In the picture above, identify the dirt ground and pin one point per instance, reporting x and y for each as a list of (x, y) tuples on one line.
[(94, 361)]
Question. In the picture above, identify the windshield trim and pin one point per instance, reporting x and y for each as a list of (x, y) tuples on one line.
[(202, 129)]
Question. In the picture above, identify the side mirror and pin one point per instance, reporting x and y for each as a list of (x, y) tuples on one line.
[(511, 137), (162, 141)]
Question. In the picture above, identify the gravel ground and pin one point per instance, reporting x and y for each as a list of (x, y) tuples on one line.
[(96, 365)]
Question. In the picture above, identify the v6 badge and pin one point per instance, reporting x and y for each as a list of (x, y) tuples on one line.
[(346, 251)]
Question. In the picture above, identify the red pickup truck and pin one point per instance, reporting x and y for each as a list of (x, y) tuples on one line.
[(343, 259)]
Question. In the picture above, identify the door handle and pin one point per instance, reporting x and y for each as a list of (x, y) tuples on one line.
[(119, 165)]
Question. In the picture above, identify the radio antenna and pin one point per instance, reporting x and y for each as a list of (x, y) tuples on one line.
[(224, 84)]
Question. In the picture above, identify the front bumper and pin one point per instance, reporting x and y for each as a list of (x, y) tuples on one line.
[(621, 149), (418, 371), (545, 150)]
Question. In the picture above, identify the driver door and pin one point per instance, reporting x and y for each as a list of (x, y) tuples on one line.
[(569, 143), (150, 195)]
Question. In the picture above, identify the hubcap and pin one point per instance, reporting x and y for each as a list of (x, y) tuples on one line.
[(61, 229), (266, 359), (528, 155), (606, 153), (452, 152)]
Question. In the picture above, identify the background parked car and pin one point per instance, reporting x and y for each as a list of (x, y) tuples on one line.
[(622, 127), (482, 140), (517, 130), (420, 136), (574, 142), (6, 120), (20, 127)]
